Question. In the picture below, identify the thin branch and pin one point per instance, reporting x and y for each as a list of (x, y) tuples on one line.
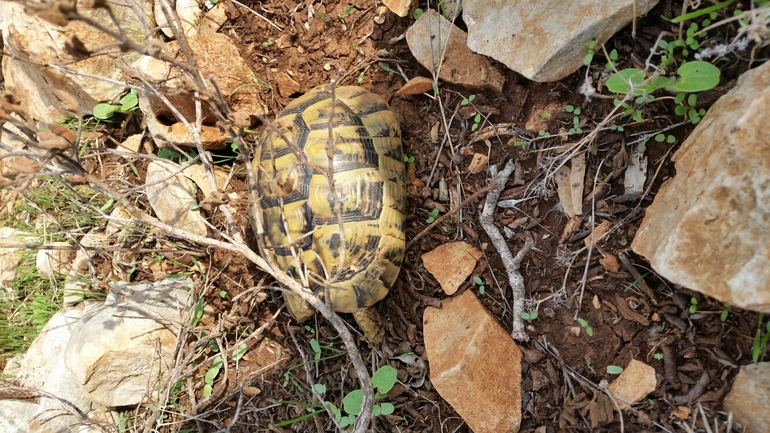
[(511, 262)]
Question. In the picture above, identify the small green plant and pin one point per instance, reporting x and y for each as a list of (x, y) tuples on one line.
[(477, 117), (658, 356), (479, 282), (129, 102), (614, 369), (211, 375), (417, 14), (688, 107), (693, 305), (388, 69), (309, 329), (725, 313), (348, 10), (589, 330), (360, 78), (660, 138), (267, 43), (408, 159), (575, 119), (529, 317), (316, 346), (432, 216), (382, 380)]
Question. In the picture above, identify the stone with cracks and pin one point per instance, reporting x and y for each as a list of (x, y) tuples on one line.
[(120, 349), (33, 43), (172, 198), (545, 40), (474, 364), (42, 369), (432, 35), (708, 228), (749, 396), (217, 58)]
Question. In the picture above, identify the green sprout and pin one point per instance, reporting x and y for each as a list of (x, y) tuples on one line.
[(432, 217), (589, 330)]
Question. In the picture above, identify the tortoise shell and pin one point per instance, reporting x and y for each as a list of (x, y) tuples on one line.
[(302, 230)]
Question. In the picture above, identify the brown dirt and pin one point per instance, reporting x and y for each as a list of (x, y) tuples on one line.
[(308, 54)]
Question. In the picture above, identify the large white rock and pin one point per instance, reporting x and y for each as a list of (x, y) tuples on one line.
[(43, 369), (171, 196), (119, 350), (708, 228), (34, 43), (545, 40)]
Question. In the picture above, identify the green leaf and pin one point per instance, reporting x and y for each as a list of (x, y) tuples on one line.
[(725, 313), (478, 280), (352, 402), (417, 14), (582, 322), (589, 331), (198, 313), (240, 351), (129, 101), (697, 76), (614, 369), (104, 111), (320, 388), (384, 379), (315, 345), (679, 97), (680, 110), (207, 390), (588, 58), (619, 82), (387, 408)]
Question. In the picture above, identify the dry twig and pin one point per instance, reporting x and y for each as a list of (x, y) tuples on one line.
[(512, 263)]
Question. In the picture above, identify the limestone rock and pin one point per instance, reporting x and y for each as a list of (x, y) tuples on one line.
[(545, 40), (398, 7), (213, 19), (171, 197), (451, 264), (54, 261), (432, 32), (636, 381), (474, 364), (42, 369), (416, 86), (197, 174), (11, 258), (217, 57), (33, 43), (118, 350), (189, 12), (707, 228), (749, 396)]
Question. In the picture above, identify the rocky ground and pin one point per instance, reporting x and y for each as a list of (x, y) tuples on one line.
[(694, 343)]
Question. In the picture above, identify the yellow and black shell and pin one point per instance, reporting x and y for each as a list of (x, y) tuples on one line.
[(303, 233)]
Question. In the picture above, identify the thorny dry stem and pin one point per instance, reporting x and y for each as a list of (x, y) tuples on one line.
[(511, 262)]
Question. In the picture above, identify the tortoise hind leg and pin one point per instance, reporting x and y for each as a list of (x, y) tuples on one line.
[(370, 321)]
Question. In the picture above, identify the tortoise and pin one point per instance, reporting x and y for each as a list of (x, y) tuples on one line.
[(304, 234)]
